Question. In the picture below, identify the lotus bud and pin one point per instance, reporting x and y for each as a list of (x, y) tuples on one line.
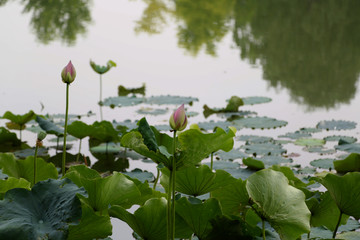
[(68, 74), (178, 120), (41, 136)]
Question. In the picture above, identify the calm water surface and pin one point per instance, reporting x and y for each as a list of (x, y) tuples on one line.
[(305, 55)]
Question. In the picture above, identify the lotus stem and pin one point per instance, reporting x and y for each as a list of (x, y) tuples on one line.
[(65, 129), (57, 144), (263, 229), (337, 225), (157, 178), (35, 157), (173, 172), (169, 226), (20, 134), (77, 157), (100, 102)]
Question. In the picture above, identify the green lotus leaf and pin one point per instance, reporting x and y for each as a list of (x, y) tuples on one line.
[(104, 131), (336, 125), (10, 183), (107, 148), (148, 135), (232, 228), (349, 164), (195, 145), (289, 174), (223, 165), (15, 126), (306, 170), (233, 197), (123, 91), (42, 152), (233, 104), (140, 175), (343, 138), (149, 221), (352, 148), (152, 111), (345, 192), (198, 215), (102, 69), (240, 173), (254, 139), (324, 212), (197, 181), (79, 129), (253, 164), (310, 130), (274, 160), (282, 205), (309, 142), (264, 149), (116, 189), (319, 150), (8, 140), (259, 122), (91, 226), (70, 159), (211, 125), (69, 138), (123, 101), (128, 153), (296, 135), (231, 155), (25, 168), (45, 212), (173, 100), (349, 236), (255, 100), (325, 163), (319, 233), (21, 120), (49, 127), (110, 164)]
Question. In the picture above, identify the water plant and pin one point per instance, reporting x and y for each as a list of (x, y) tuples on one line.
[(17, 122), (68, 75), (41, 136)]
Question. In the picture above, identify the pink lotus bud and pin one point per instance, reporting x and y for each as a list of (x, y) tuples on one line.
[(68, 74), (178, 120)]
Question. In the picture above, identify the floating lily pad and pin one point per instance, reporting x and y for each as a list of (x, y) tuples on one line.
[(212, 125), (296, 135), (343, 138), (42, 152), (236, 115), (151, 111), (310, 130), (352, 148), (255, 100), (69, 138), (307, 170), (309, 142), (259, 122), (336, 125), (264, 149), (274, 160), (126, 123), (242, 173), (325, 163), (231, 155), (349, 236), (168, 99), (123, 101), (223, 165), (254, 139), (140, 175), (319, 150)]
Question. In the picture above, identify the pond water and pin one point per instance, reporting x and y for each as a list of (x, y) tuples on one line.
[(304, 55)]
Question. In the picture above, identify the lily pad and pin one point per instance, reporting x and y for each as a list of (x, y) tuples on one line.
[(168, 99), (255, 100), (42, 152), (211, 125), (223, 165), (336, 125), (254, 139), (126, 123), (296, 135), (45, 212), (152, 111), (122, 101), (259, 122), (352, 148), (349, 236), (107, 148), (274, 160), (338, 138), (309, 142), (264, 149), (325, 163), (275, 198), (240, 173), (140, 175), (20, 120), (319, 150), (231, 155), (310, 130)]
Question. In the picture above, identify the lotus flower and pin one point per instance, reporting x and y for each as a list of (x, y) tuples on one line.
[(178, 120), (68, 74)]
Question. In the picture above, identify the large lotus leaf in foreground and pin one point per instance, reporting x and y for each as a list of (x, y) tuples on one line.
[(345, 191), (115, 189), (282, 205), (45, 212)]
